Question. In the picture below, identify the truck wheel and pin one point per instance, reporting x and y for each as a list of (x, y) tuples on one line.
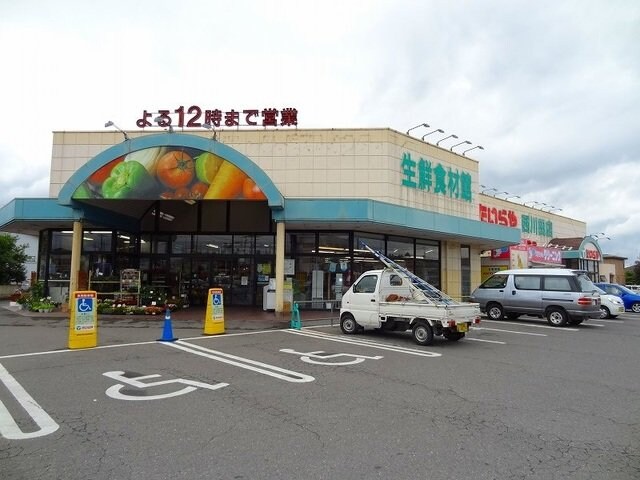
[(495, 311), (453, 336), (635, 308), (422, 333), (348, 324), (557, 317)]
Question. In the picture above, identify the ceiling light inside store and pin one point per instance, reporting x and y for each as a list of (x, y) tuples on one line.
[(211, 245)]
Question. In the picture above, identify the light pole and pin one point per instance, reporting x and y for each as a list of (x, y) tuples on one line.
[(111, 124)]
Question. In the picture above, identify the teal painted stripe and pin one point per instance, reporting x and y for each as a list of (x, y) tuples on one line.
[(274, 198), (356, 210)]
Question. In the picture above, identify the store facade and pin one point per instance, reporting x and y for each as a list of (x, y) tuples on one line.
[(279, 212)]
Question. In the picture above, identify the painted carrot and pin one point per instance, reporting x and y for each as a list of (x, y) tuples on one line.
[(227, 183)]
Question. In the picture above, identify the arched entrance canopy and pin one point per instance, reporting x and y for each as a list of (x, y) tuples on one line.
[(170, 165)]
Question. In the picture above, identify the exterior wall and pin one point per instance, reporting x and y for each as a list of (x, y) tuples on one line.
[(563, 227), (613, 270), (451, 272), (308, 163)]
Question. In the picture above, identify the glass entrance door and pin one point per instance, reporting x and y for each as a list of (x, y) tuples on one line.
[(242, 281)]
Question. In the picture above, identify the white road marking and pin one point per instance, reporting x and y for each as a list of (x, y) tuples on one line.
[(259, 367), (8, 427), (114, 391), (485, 341), (509, 331), (317, 356), (533, 325), (364, 343)]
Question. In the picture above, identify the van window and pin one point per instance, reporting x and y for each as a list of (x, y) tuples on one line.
[(496, 281), (366, 284), (586, 285), (558, 284), (527, 282)]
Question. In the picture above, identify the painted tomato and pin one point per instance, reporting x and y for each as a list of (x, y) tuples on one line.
[(182, 193), (175, 169), (198, 190), (251, 191)]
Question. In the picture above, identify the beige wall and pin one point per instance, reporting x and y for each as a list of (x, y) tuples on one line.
[(307, 163)]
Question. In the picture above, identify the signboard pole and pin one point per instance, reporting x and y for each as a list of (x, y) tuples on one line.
[(214, 316), (83, 324)]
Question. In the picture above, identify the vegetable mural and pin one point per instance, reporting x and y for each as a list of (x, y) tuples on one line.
[(169, 173)]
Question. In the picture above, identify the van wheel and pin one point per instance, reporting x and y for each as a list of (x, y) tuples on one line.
[(422, 333), (635, 307), (557, 317), (495, 311), (348, 324), (604, 312)]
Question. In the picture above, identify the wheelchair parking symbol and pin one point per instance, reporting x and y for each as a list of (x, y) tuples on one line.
[(116, 391), (217, 299), (84, 305), (318, 357)]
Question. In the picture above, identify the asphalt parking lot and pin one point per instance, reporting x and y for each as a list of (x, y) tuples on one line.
[(515, 399)]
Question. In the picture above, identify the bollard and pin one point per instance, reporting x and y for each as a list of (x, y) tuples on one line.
[(167, 330), (296, 323)]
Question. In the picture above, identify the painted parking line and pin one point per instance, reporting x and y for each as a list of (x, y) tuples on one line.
[(471, 339), (509, 331), (247, 363), (533, 325), (8, 427), (364, 343)]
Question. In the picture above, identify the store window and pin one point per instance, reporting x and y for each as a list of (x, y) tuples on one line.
[(265, 245), (400, 250), (181, 244), (243, 244), (96, 241), (126, 242), (334, 243), (213, 244), (427, 262), (300, 243)]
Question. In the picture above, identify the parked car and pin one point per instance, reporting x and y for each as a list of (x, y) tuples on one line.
[(610, 305), (630, 299), (561, 295)]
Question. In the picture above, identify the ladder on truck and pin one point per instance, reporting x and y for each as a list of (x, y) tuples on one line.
[(430, 292)]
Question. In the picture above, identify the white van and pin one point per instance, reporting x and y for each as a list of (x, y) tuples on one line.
[(561, 295)]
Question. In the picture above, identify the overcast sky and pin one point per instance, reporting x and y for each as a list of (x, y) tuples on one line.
[(550, 89)]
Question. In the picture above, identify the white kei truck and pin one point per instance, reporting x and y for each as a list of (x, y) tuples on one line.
[(394, 299)]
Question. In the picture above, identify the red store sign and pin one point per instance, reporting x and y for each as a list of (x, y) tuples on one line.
[(591, 254), (196, 117), (499, 216)]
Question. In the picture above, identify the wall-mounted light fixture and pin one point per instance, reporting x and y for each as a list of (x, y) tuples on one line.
[(208, 126), (473, 148), (461, 143), (439, 130), (511, 196), (532, 202), (418, 126), (443, 139), (111, 124)]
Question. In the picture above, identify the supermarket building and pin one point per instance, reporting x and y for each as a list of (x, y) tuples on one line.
[(278, 213)]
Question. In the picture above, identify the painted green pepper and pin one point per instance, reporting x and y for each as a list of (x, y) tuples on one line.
[(128, 180)]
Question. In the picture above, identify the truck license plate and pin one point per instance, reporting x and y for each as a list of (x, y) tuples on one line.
[(463, 327)]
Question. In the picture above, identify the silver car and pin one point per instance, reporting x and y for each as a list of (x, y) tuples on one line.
[(561, 295)]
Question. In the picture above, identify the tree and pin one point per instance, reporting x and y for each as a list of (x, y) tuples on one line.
[(12, 260)]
